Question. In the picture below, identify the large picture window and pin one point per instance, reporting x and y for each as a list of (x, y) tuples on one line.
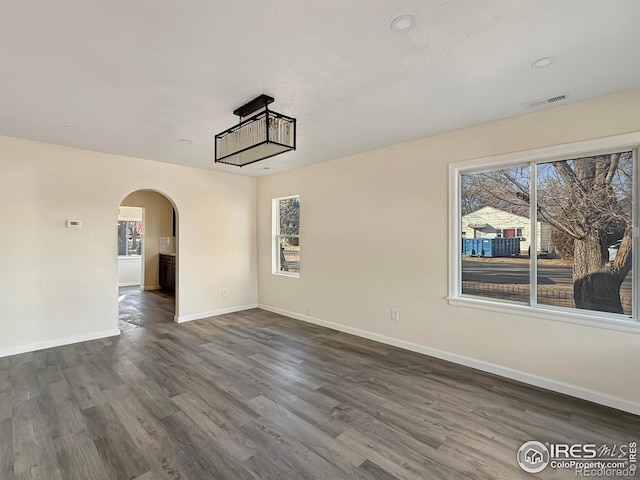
[(286, 240), (552, 233)]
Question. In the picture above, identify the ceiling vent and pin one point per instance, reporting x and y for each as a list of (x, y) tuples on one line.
[(546, 101)]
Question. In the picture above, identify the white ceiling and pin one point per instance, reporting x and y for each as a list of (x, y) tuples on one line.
[(136, 76)]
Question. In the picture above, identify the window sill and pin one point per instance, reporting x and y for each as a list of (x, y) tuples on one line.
[(129, 257), (285, 274), (608, 322)]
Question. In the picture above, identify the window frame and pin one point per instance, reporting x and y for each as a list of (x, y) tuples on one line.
[(612, 144), (276, 236)]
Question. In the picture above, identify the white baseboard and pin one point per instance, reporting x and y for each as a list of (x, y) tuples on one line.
[(32, 347), (129, 284), (213, 313), (502, 371), (151, 287)]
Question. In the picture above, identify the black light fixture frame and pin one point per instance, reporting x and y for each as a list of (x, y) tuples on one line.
[(254, 105), (248, 108)]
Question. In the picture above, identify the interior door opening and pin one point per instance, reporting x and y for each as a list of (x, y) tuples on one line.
[(147, 260)]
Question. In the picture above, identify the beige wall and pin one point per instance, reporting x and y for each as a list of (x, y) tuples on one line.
[(374, 233), (158, 222), (61, 283), (132, 214)]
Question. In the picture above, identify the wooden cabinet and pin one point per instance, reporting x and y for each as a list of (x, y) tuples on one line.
[(167, 272)]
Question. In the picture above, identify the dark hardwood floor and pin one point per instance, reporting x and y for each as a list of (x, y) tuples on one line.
[(144, 308), (255, 395)]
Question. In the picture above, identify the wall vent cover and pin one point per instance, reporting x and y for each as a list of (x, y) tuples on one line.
[(546, 101)]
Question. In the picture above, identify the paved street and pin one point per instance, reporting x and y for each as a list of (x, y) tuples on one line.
[(516, 272)]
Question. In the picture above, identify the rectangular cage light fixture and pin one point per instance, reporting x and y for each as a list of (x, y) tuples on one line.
[(260, 136)]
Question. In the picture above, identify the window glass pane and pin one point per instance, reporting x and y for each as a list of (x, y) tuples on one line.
[(495, 206), (289, 255), (129, 238), (122, 238), (585, 217), (289, 216)]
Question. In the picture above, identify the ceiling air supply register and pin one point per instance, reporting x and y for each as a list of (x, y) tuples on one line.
[(260, 136)]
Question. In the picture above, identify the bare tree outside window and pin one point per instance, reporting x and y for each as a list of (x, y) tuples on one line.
[(590, 201)]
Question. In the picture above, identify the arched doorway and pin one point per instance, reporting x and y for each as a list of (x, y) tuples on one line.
[(147, 259)]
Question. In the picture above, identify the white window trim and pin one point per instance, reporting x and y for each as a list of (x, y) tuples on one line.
[(275, 221), (566, 151)]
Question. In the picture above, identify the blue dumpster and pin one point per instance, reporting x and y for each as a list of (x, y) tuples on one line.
[(491, 247)]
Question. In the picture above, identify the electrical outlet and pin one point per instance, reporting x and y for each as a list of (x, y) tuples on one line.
[(395, 314), (225, 292)]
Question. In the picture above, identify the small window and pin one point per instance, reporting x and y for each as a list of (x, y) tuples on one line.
[(286, 240), (519, 232), (129, 238)]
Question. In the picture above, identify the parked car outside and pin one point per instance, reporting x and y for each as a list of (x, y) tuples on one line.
[(613, 250)]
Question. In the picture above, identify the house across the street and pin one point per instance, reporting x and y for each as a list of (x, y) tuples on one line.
[(490, 222)]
